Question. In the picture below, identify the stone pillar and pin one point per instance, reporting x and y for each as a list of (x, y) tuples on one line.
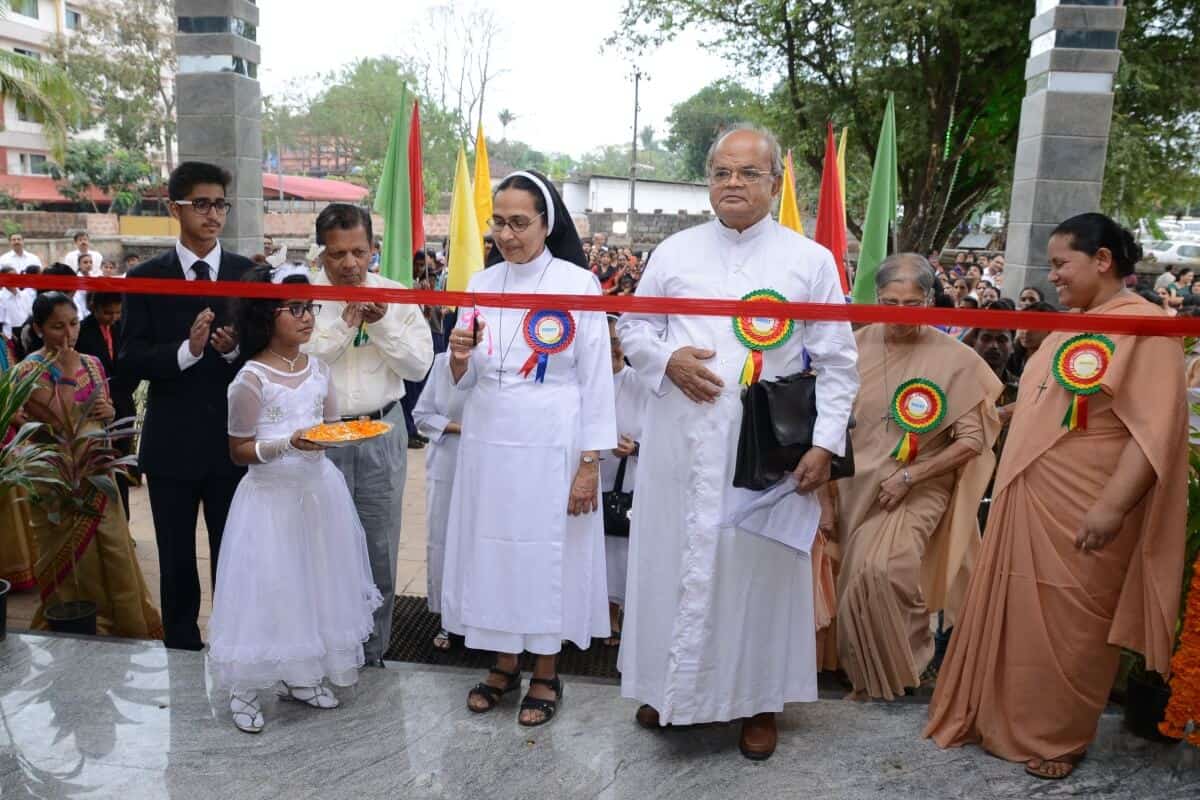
[(219, 106), (1063, 139)]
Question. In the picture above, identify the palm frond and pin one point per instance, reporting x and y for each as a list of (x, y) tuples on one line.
[(45, 91)]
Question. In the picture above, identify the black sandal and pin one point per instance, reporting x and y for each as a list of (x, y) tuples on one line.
[(491, 694), (547, 707)]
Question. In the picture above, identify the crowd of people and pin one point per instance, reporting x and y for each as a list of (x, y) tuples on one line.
[(582, 471)]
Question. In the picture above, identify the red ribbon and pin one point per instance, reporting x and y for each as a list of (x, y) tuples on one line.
[(812, 312)]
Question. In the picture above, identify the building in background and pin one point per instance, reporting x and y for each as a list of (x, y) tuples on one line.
[(29, 27), (586, 193)]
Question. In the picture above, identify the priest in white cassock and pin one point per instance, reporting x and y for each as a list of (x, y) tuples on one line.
[(718, 619), (524, 566)]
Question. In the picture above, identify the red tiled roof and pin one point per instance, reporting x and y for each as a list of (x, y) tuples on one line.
[(42, 189), (297, 187)]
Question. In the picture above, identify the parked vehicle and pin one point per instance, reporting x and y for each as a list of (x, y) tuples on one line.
[(1173, 254)]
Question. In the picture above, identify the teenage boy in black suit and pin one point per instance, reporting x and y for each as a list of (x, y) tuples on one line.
[(186, 348)]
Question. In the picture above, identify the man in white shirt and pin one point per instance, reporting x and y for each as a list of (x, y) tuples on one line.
[(13, 310), (82, 247), (719, 620), (18, 257), (371, 349), (185, 347)]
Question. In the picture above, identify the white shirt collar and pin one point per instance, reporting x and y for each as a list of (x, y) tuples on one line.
[(187, 259), (753, 232), (539, 263)]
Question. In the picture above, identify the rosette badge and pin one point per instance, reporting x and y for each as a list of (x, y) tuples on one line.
[(1079, 367), (760, 334), (918, 407), (546, 333)]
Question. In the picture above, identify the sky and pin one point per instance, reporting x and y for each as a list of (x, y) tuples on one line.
[(569, 91)]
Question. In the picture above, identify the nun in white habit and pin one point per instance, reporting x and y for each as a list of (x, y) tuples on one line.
[(438, 416), (524, 565)]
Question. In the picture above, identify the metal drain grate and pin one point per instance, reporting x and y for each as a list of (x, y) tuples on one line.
[(413, 629)]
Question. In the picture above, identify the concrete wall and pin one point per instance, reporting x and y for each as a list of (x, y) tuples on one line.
[(603, 193), (51, 224), (648, 229)]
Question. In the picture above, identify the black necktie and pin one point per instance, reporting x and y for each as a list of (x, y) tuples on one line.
[(203, 270)]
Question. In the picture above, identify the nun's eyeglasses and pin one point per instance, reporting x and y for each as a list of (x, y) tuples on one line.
[(518, 224)]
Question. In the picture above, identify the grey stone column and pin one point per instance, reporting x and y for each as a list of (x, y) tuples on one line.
[(219, 106), (1065, 121)]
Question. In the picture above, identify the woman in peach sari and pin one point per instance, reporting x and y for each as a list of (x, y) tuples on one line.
[(1083, 553)]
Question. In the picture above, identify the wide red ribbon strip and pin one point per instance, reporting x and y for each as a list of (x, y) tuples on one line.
[(812, 312)]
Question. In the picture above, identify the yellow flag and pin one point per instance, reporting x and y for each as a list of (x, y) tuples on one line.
[(483, 182), (841, 159), (789, 212), (466, 242)]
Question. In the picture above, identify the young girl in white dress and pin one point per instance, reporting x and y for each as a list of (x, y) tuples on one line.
[(294, 592)]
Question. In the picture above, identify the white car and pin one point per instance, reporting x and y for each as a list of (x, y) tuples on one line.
[(1173, 254)]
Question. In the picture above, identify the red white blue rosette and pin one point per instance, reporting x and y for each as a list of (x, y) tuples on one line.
[(546, 333)]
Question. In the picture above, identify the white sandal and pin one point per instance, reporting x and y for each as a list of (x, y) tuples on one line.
[(315, 696), (247, 714)]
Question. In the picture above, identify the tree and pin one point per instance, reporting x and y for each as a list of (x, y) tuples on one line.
[(457, 72), (955, 66), (696, 121), (647, 137), (42, 91), (124, 62), (119, 173), (506, 118)]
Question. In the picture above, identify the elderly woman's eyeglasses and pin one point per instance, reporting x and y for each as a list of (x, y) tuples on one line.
[(519, 224), (298, 310), (722, 176)]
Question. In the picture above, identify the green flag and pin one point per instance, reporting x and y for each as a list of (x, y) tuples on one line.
[(881, 209), (393, 198)]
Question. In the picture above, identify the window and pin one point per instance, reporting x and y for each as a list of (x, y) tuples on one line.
[(1189, 251), (221, 63), (28, 53), (33, 164), (232, 25), (26, 8), (74, 19)]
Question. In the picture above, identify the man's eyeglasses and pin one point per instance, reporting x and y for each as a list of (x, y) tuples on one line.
[(722, 176), (298, 310), (518, 224), (204, 205)]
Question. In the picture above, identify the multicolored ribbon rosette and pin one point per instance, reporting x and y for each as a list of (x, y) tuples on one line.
[(546, 333), (760, 334), (918, 407), (1079, 367)]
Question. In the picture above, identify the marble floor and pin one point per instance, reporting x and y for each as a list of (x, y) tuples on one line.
[(109, 719)]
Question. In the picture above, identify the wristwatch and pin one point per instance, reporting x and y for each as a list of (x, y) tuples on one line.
[(906, 477), (588, 459)]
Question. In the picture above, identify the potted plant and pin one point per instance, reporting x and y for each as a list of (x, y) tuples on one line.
[(24, 460), (1147, 694), (81, 461)]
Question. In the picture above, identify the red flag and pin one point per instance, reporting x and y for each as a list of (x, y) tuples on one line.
[(831, 211), (415, 182)]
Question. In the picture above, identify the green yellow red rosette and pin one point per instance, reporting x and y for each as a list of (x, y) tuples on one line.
[(918, 407), (1079, 367), (760, 333)]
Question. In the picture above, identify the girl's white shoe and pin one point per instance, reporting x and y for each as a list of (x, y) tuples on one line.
[(247, 714), (315, 696)]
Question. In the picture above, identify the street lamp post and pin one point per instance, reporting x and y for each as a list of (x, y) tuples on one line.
[(638, 76)]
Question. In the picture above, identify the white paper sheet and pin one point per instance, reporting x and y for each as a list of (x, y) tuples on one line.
[(777, 513)]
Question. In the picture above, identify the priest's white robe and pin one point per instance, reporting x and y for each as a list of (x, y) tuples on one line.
[(631, 395), (718, 621), (440, 404), (520, 573)]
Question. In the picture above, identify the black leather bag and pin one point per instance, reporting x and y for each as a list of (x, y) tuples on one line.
[(617, 506), (778, 418)]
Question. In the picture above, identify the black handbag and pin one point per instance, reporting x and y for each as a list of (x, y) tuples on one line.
[(617, 506), (778, 418)]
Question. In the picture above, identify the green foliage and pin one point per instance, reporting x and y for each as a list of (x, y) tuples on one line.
[(697, 120), (354, 112), (125, 65), (519, 155), (113, 170), (957, 69), (25, 460), (44, 91)]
